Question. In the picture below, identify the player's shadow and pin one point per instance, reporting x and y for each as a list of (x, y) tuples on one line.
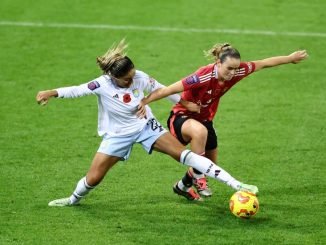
[(208, 213)]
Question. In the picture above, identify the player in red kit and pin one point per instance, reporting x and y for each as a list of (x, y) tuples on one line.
[(205, 87)]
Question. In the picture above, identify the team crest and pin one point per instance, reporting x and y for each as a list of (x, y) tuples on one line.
[(135, 92)]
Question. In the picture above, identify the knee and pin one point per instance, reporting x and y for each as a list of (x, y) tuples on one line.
[(194, 130), (93, 178), (92, 181), (199, 133)]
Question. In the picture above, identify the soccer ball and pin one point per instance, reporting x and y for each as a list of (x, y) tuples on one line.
[(244, 204)]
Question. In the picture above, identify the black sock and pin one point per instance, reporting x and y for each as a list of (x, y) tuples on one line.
[(187, 180), (196, 171)]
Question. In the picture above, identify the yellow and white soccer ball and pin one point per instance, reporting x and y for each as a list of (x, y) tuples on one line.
[(244, 204)]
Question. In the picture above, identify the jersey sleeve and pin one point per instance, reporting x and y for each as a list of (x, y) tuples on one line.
[(198, 79), (91, 87), (245, 69)]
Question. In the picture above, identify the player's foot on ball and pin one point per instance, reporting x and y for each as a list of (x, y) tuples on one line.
[(249, 188), (60, 202), (190, 194)]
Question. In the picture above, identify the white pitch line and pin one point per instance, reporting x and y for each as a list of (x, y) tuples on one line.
[(162, 29)]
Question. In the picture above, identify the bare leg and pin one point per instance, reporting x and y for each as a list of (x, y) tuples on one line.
[(169, 145), (195, 133), (212, 155), (100, 166)]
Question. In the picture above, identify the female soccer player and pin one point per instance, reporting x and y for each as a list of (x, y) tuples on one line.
[(120, 90), (205, 87)]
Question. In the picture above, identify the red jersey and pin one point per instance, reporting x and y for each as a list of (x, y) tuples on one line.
[(203, 89)]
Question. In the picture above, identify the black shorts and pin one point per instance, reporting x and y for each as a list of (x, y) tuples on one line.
[(175, 123)]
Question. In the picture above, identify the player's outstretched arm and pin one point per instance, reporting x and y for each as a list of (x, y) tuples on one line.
[(43, 97), (163, 92), (294, 58)]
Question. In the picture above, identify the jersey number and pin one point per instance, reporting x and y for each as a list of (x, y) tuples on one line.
[(155, 125)]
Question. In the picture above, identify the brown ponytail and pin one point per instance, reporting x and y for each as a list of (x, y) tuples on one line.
[(221, 51)]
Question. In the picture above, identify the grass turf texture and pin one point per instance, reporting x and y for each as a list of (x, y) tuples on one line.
[(271, 126)]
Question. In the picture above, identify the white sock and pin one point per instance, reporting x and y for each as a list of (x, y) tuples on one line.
[(81, 190), (207, 167), (182, 186), (194, 174), (197, 176)]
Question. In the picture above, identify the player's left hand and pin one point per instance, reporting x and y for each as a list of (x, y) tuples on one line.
[(141, 110), (43, 97), (297, 56)]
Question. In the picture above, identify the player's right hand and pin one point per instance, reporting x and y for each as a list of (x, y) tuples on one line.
[(43, 97)]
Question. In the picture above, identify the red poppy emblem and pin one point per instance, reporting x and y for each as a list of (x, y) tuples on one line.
[(126, 98)]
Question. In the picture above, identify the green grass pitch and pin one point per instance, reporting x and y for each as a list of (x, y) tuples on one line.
[(271, 126)]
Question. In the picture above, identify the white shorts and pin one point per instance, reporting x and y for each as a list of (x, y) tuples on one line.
[(121, 146)]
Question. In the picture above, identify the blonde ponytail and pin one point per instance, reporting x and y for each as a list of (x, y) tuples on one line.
[(115, 61), (115, 53)]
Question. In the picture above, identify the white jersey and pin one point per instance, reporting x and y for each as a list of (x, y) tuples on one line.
[(117, 106)]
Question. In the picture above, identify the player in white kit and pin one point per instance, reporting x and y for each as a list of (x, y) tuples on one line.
[(119, 91)]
